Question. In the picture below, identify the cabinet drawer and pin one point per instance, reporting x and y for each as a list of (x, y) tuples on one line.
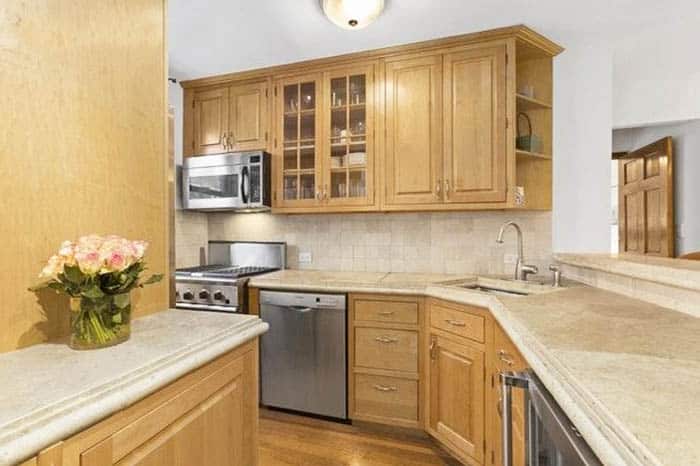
[(458, 322), (386, 311), (380, 348), (386, 397)]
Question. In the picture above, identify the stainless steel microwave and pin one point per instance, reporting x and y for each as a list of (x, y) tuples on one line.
[(237, 181)]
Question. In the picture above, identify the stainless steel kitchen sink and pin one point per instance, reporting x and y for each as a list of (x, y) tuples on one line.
[(493, 290)]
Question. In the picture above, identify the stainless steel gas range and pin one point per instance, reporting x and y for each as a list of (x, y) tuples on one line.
[(222, 285)]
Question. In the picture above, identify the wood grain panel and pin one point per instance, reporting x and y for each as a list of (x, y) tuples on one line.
[(385, 398), (373, 310), (413, 145), (248, 113), (386, 349), (84, 145), (475, 125), (457, 322), (211, 121)]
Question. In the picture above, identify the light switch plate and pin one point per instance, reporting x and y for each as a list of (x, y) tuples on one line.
[(305, 257), (510, 258)]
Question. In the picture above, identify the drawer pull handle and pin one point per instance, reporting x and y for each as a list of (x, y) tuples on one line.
[(456, 323), (385, 388), (503, 356), (386, 339), (386, 313)]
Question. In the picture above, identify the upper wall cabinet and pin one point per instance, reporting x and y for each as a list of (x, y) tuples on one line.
[(461, 123), (475, 125), (413, 137), (227, 118)]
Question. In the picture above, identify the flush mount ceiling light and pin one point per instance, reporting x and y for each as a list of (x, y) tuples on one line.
[(352, 14)]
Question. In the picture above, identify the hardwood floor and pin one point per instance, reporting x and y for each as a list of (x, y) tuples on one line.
[(293, 440)]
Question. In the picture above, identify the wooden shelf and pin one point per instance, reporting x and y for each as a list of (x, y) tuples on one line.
[(352, 168), (359, 106), (532, 155), (295, 171), (529, 103), (353, 143), (309, 112)]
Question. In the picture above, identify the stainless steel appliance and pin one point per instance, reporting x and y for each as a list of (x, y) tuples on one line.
[(551, 438), (303, 357), (232, 181), (222, 285)]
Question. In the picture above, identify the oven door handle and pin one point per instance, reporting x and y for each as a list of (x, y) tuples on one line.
[(508, 381), (245, 184)]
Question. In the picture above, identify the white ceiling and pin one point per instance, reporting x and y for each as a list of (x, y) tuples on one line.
[(208, 37)]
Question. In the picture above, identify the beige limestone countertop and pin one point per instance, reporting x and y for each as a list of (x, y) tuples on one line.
[(50, 391), (626, 372)]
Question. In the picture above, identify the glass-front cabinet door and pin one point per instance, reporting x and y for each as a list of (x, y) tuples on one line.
[(297, 142), (348, 137)]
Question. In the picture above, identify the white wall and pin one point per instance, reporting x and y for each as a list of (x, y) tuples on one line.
[(582, 148), (686, 140), (656, 75)]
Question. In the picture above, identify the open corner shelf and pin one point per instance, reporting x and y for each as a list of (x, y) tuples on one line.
[(532, 155), (529, 103)]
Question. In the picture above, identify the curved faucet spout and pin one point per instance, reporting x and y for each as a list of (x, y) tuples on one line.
[(521, 269)]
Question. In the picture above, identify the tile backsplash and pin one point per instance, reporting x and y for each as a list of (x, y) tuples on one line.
[(191, 235), (449, 242)]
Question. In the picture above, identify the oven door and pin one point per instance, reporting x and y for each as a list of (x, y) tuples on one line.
[(214, 188)]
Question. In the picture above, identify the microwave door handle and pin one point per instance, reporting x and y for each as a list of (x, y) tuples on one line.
[(245, 182), (508, 381)]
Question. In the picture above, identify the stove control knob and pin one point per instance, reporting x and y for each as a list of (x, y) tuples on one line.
[(218, 295), (188, 295), (204, 294)]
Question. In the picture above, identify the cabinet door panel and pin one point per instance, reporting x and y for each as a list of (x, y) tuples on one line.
[(413, 130), (210, 121), (457, 396), (475, 125), (209, 435), (248, 112)]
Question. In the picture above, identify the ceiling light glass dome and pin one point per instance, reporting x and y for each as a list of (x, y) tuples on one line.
[(352, 14)]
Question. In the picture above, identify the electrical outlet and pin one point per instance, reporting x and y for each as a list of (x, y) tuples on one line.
[(510, 258), (305, 257)]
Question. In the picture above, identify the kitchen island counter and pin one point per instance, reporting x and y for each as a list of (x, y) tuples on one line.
[(50, 391)]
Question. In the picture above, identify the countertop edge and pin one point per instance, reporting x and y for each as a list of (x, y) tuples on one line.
[(611, 441), (32, 437)]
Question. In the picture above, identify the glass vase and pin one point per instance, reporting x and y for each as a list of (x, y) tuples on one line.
[(100, 322)]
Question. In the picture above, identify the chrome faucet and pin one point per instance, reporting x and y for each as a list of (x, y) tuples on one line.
[(522, 270)]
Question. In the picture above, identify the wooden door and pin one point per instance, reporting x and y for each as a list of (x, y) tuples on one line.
[(211, 110), (297, 143), (646, 219), (248, 113), (508, 358), (348, 142), (413, 143), (456, 405), (475, 125)]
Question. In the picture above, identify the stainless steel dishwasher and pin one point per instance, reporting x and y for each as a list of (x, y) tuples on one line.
[(303, 357)]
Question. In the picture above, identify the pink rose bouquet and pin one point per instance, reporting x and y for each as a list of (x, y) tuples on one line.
[(98, 272)]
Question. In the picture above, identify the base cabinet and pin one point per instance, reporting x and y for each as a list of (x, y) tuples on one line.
[(456, 386), (209, 417)]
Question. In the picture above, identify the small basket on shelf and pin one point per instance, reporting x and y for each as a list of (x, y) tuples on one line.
[(529, 142)]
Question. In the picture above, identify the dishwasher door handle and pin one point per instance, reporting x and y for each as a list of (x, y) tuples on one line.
[(301, 309), (508, 381)]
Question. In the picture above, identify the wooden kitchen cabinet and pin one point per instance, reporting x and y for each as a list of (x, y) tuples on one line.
[(475, 125), (210, 121), (456, 378), (228, 118), (413, 142), (206, 418), (296, 154), (385, 359), (248, 116), (430, 126)]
